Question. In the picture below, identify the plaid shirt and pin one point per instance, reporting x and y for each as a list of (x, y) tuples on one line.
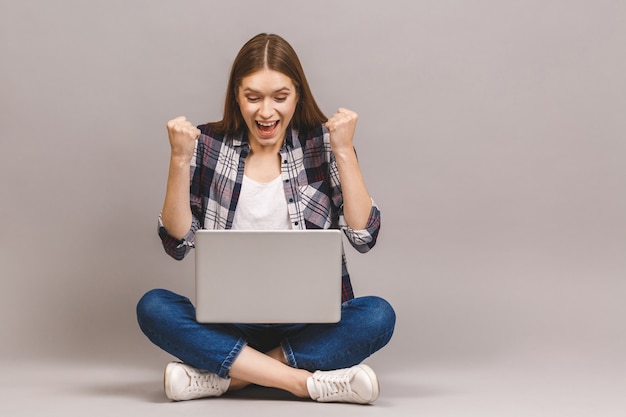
[(310, 180)]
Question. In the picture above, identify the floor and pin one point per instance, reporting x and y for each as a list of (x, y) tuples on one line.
[(542, 385)]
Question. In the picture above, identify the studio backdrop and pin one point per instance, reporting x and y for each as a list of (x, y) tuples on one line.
[(491, 134)]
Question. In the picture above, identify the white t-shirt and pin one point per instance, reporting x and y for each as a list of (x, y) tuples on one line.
[(262, 206)]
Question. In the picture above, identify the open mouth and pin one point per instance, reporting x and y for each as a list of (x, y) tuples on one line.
[(267, 128)]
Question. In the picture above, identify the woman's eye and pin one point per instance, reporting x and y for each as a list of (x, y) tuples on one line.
[(280, 99), (253, 99)]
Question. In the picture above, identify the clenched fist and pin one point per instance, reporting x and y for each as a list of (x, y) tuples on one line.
[(341, 127), (183, 136)]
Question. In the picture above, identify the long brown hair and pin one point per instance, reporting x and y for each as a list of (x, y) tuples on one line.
[(273, 52)]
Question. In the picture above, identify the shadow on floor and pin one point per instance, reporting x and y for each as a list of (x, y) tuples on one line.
[(153, 392)]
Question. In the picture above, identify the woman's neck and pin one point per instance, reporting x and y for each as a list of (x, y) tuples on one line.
[(263, 166)]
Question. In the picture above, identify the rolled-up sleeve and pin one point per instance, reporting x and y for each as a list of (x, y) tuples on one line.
[(178, 248), (363, 240)]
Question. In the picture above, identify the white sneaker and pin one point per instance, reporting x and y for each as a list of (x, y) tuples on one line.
[(358, 384), (183, 382)]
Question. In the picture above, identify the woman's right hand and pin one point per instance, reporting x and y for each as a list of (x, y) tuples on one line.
[(183, 136)]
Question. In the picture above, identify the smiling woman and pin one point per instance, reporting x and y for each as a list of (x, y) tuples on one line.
[(267, 100), (273, 162), (268, 51)]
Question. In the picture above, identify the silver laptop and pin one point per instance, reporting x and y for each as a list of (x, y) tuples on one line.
[(269, 276)]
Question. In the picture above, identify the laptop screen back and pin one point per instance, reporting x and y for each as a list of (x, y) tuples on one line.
[(269, 276)]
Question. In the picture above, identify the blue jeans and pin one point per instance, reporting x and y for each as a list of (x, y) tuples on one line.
[(168, 319)]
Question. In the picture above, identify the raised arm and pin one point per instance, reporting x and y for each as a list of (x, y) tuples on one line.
[(176, 214), (357, 203)]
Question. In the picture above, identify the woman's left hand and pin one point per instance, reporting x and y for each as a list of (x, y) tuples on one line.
[(341, 127)]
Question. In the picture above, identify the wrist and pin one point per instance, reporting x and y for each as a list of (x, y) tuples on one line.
[(180, 161), (344, 153)]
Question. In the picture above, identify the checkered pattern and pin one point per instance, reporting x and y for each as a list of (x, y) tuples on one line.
[(310, 181)]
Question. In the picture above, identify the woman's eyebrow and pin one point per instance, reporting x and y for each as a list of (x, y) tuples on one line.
[(251, 90)]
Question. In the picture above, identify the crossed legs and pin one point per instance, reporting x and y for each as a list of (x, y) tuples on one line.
[(234, 351)]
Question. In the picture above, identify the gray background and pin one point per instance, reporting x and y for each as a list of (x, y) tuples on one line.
[(491, 133)]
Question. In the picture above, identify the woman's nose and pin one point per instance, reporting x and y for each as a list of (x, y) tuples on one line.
[(266, 110)]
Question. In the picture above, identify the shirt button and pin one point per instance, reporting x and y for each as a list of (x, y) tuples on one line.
[(284, 162), (295, 223), (291, 200)]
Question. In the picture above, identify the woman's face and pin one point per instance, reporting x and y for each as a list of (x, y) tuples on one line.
[(267, 100)]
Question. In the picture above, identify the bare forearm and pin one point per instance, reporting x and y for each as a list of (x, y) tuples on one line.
[(176, 213), (357, 203)]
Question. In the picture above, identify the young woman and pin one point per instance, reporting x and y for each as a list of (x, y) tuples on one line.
[(273, 162)]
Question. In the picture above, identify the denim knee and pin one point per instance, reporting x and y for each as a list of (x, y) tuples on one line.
[(149, 302), (153, 306), (381, 317)]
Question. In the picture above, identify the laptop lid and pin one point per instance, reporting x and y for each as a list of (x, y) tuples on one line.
[(268, 276)]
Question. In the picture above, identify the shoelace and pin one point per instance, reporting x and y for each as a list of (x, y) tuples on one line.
[(333, 386), (204, 381)]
